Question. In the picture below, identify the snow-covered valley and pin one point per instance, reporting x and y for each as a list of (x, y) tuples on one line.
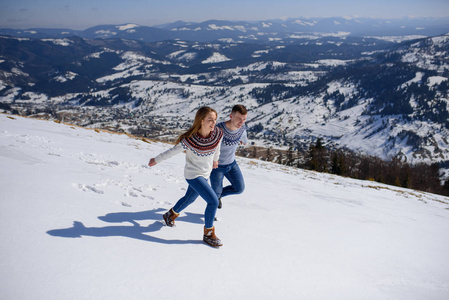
[(372, 96)]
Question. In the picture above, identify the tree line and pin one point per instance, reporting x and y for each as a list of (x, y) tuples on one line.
[(395, 171)]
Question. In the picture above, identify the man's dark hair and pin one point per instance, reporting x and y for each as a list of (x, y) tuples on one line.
[(240, 109)]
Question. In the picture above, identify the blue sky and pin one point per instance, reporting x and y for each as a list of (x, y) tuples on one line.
[(81, 14)]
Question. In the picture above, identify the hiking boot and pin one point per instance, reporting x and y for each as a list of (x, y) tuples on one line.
[(210, 238), (169, 217)]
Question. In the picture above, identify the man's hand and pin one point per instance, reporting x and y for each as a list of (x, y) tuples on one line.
[(215, 165)]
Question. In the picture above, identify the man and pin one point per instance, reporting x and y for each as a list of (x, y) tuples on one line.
[(234, 134)]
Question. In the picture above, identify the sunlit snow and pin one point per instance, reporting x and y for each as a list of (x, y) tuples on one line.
[(81, 218)]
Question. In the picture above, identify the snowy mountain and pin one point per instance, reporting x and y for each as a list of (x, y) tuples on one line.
[(379, 96), (81, 218), (241, 31)]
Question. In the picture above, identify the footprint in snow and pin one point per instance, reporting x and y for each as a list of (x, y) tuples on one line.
[(87, 188)]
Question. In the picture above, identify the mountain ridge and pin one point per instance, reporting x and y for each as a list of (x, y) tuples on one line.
[(246, 31)]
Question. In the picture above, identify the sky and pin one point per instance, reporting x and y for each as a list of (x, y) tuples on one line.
[(82, 14)]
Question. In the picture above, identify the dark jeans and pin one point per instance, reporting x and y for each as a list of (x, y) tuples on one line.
[(199, 187), (233, 174)]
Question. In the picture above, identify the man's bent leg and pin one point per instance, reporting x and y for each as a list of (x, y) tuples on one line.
[(235, 177)]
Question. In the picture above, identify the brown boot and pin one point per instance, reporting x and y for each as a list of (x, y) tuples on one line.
[(210, 238), (169, 217)]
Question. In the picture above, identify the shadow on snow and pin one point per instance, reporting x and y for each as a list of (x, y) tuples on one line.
[(135, 231)]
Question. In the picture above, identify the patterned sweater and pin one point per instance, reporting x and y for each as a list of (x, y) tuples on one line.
[(231, 140), (200, 153)]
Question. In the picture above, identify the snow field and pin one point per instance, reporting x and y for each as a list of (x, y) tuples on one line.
[(81, 218)]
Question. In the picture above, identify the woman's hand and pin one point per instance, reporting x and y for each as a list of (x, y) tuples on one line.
[(215, 165), (152, 162)]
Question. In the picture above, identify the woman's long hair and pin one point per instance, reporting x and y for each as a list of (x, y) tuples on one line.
[(201, 114)]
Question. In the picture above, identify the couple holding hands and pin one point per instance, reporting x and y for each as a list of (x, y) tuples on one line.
[(210, 154)]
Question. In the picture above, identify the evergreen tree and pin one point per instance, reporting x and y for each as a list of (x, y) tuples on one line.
[(317, 157), (338, 163)]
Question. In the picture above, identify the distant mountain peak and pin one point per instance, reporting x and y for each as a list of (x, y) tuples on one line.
[(127, 26)]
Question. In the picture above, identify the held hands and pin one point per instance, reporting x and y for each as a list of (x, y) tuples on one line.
[(152, 162)]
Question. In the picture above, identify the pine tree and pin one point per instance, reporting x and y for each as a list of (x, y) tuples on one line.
[(317, 157)]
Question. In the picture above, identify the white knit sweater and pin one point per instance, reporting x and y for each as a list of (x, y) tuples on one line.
[(196, 165)]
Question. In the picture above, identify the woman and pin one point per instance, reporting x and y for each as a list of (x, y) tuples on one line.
[(202, 143)]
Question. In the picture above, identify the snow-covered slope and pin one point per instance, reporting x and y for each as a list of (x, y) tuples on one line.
[(81, 219)]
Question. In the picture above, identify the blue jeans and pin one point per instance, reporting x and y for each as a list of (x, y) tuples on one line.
[(199, 187), (233, 174)]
